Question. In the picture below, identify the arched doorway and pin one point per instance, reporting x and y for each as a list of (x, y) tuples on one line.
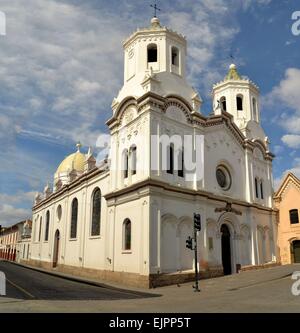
[(295, 251), (56, 248), (226, 249)]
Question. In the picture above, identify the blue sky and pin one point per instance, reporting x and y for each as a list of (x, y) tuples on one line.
[(61, 66)]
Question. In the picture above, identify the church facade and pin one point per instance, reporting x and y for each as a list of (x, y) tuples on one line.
[(127, 221)]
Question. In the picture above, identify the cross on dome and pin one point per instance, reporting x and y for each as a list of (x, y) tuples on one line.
[(155, 8)]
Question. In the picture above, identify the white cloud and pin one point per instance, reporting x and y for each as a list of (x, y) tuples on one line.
[(60, 57), (287, 92), (20, 196), (209, 26), (291, 140), (10, 215), (287, 95)]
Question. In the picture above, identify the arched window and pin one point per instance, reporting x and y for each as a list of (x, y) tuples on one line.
[(127, 234), (239, 102), (170, 160), (254, 104), (223, 103), (47, 226), (125, 163), (256, 187), (74, 218), (59, 212), (294, 217), (96, 213), (261, 189), (35, 229), (175, 56), (152, 53), (181, 163), (133, 160), (40, 229)]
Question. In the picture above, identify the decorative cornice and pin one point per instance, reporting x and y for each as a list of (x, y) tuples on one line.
[(153, 33), (148, 185), (66, 188), (155, 101)]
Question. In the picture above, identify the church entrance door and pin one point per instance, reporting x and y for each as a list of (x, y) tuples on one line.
[(296, 251), (56, 248), (226, 249)]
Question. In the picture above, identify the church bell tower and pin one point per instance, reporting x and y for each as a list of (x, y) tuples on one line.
[(239, 96), (154, 61)]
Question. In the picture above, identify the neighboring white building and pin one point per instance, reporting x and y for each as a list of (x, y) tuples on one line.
[(125, 222)]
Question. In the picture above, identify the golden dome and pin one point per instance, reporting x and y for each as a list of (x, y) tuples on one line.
[(74, 161)]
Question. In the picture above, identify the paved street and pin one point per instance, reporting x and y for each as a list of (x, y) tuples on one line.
[(26, 284), (267, 290)]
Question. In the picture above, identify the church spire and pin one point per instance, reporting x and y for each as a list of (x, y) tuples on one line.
[(233, 73)]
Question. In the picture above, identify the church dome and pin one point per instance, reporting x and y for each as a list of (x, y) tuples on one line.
[(74, 161)]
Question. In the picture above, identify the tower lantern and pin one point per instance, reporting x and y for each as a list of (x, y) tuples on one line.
[(239, 96), (155, 61)]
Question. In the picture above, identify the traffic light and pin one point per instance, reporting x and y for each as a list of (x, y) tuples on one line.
[(189, 243), (197, 222)]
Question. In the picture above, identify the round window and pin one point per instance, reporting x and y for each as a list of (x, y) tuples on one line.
[(59, 212), (223, 177)]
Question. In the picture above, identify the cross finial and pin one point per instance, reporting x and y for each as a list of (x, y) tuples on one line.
[(78, 145), (155, 8)]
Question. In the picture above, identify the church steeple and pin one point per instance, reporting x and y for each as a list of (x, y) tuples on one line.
[(239, 96), (159, 53)]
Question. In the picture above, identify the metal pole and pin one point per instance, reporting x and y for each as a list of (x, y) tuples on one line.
[(196, 287)]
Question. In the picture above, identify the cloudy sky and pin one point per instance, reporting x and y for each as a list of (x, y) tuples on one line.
[(61, 65)]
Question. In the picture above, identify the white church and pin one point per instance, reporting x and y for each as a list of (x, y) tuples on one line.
[(123, 220)]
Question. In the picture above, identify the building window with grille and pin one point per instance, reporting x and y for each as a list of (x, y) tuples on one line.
[(96, 213), (170, 160), (133, 160), (127, 235), (256, 188), (125, 163), (47, 226), (294, 217), (40, 229), (261, 189), (74, 219)]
